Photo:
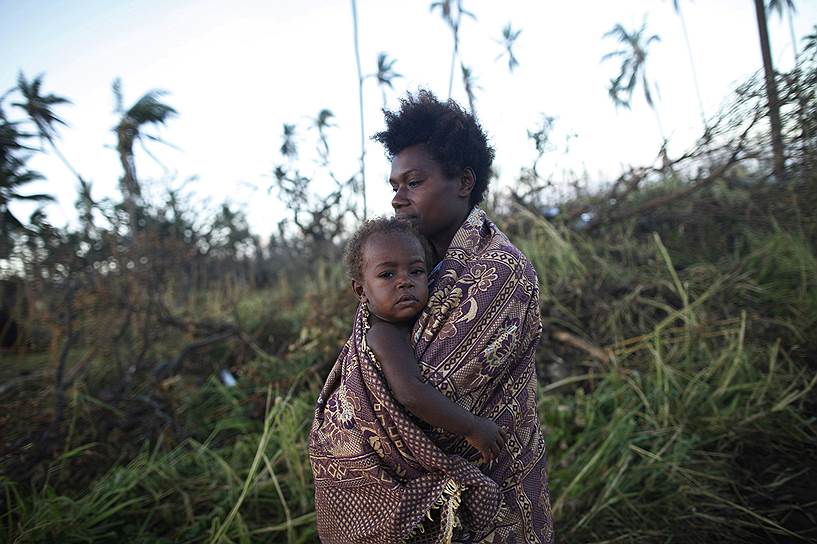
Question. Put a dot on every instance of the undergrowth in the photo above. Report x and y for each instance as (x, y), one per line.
(701, 427)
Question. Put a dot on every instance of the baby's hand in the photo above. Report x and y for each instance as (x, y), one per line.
(487, 438)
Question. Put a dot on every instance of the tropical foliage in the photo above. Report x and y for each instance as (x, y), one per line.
(161, 362)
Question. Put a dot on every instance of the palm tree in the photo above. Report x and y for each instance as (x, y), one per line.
(452, 13)
(633, 68)
(289, 147)
(469, 81)
(13, 175)
(148, 110)
(509, 37)
(771, 92)
(360, 79)
(322, 122)
(385, 74)
(788, 6)
(811, 41)
(676, 5)
(39, 109)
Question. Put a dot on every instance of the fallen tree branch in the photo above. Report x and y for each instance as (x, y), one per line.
(169, 369)
(601, 355)
(689, 189)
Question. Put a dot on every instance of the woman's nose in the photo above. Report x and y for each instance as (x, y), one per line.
(399, 199)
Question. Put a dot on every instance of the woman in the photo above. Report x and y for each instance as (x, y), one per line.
(383, 476)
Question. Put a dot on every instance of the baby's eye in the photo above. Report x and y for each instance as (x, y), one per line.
(385, 275)
(418, 271)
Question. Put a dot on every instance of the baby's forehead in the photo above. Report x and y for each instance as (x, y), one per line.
(395, 243)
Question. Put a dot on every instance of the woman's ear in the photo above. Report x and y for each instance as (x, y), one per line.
(467, 181)
(357, 287)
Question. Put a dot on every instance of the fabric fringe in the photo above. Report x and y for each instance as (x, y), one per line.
(449, 503)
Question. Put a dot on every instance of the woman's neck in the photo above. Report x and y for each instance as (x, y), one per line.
(442, 240)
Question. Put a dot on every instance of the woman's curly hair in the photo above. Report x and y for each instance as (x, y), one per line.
(353, 256)
(453, 137)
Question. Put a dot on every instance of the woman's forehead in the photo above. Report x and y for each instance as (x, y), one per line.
(415, 157)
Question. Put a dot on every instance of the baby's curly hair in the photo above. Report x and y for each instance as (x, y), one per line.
(353, 257)
(453, 137)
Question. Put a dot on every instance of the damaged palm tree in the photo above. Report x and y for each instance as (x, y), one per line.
(633, 70)
(148, 110)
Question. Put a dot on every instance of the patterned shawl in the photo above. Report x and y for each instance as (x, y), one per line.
(383, 476)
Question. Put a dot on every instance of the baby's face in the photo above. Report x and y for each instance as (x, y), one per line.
(394, 276)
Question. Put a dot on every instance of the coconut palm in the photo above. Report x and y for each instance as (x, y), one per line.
(810, 42)
(469, 81)
(385, 74)
(289, 147)
(13, 175)
(676, 5)
(148, 110)
(787, 6)
(452, 12)
(771, 91)
(633, 70)
(360, 79)
(509, 37)
(39, 108)
(322, 122)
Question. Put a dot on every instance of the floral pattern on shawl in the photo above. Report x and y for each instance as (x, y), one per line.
(383, 476)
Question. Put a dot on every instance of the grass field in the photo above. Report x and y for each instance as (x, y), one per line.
(701, 426)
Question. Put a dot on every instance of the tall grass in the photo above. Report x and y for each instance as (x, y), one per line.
(702, 428)
(252, 487)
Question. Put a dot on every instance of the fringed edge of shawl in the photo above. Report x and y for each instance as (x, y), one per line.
(449, 502)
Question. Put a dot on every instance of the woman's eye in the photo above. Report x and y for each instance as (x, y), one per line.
(414, 183)
(394, 188)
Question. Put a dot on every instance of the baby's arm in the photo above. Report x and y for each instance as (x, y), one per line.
(390, 345)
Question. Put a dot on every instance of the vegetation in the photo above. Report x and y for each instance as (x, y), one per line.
(163, 363)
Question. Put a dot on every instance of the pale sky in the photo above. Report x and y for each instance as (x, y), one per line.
(236, 71)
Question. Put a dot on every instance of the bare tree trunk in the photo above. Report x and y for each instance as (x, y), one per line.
(692, 65)
(63, 159)
(469, 90)
(771, 92)
(455, 30)
(360, 104)
(130, 185)
(71, 337)
(793, 37)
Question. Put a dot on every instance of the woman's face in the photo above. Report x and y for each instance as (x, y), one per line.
(423, 194)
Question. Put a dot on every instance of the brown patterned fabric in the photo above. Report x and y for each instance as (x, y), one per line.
(383, 476)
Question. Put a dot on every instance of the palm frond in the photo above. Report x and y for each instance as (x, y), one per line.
(149, 109)
(37, 197)
(324, 119)
(781, 6)
(509, 37)
(385, 70)
(633, 64)
(38, 106)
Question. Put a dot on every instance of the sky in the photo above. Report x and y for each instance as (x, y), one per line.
(237, 71)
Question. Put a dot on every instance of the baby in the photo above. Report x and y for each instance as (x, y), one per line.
(388, 261)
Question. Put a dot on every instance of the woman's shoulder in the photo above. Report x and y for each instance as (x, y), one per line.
(500, 244)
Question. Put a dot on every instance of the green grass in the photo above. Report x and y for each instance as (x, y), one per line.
(254, 487)
(701, 429)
